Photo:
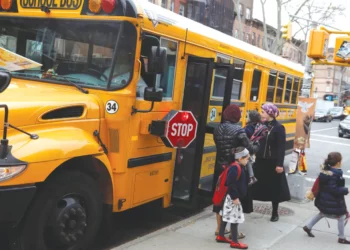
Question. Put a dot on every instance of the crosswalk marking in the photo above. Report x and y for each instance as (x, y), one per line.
(332, 137)
(337, 143)
(313, 131)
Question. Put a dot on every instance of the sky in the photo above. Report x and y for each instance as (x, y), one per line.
(341, 22)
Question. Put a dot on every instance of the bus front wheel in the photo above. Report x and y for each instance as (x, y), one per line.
(66, 214)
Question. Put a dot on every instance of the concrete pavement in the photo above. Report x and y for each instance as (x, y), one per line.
(198, 232)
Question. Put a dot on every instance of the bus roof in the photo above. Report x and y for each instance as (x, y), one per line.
(160, 15)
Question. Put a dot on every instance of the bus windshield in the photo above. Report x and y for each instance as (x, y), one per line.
(72, 50)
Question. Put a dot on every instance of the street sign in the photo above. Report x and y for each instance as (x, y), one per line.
(181, 129)
(342, 49)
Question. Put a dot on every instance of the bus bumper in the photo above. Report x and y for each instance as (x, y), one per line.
(14, 202)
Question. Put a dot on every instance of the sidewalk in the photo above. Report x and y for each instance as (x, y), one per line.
(197, 232)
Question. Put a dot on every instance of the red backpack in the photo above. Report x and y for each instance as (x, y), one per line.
(221, 188)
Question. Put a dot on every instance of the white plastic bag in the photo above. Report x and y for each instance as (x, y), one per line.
(232, 213)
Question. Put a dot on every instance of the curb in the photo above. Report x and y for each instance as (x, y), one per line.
(206, 213)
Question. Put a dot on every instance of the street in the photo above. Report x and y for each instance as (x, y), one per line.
(324, 139)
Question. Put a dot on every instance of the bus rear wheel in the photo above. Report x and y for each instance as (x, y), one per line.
(66, 214)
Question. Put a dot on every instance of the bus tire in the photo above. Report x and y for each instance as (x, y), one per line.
(66, 214)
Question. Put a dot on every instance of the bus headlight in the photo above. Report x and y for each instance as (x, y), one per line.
(11, 171)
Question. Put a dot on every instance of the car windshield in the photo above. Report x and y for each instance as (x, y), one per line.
(347, 119)
(71, 51)
(321, 111)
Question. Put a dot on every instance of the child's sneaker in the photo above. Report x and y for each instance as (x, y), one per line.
(252, 181)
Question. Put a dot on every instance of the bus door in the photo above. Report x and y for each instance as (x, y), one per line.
(222, 88)
(254, 89)
(189, 161)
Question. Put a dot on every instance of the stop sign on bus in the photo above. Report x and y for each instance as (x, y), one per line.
(179, 129)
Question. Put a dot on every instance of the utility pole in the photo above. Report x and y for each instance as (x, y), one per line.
(343, 70)
(306, 87)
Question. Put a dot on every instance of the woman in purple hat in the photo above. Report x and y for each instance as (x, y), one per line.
(268, 168)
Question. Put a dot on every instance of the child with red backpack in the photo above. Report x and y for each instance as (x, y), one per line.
(255, 131)
(231, 187)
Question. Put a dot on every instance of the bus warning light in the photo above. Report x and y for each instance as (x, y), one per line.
(6, 4)
(95, 6)
(108, 6)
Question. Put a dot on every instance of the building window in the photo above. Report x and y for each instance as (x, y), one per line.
(247, 38)
(329, 72)
(241, 9)
(182, 9)
(253, 39)
(189, 10)
(258, 42)
(248, 14)
(164, 4)
(172, 8)
(236, 33)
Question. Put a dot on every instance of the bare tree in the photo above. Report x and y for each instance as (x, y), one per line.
(319, 12)
(314, 10)
(265, 45)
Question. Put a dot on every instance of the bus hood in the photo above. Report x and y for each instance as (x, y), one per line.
(31, 103)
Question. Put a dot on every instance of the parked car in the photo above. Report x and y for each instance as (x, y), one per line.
(344, 127)
(323, 115)
(337, 112)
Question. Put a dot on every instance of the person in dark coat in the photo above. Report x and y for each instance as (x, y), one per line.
(330, 198)
(228, 136)
(268, 168)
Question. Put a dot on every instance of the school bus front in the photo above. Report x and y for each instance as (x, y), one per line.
(78, 139)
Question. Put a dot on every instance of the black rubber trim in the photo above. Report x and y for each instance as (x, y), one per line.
(14, 203)
(147, 160)
(220, 103)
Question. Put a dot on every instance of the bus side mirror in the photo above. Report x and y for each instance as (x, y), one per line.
(5, 79)
(153, 94)
(157, 60)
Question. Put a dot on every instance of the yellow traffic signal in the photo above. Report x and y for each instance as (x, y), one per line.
(318, 44)
(287, 31)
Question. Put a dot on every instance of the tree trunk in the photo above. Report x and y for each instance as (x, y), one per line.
(265, 46)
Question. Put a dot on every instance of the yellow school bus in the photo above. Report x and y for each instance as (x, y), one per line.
(76, 141)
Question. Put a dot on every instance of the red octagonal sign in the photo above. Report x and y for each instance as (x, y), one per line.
(181, 129)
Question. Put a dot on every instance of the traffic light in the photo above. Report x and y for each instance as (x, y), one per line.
(287, 31)
(318, 44)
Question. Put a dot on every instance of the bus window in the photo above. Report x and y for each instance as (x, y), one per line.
(300, 85)
(288, 89)
(295, 90)
(280, 87)
(166, 82)
(254, 92)
(237, 79)
(220, 78)
(271, 86)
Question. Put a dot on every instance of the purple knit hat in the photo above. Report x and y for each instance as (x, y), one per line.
(271, 109)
